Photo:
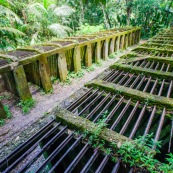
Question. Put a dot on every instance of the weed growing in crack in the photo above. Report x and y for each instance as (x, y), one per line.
(27, 105)
(7, 110)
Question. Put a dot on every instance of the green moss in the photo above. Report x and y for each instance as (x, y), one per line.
(135, 95)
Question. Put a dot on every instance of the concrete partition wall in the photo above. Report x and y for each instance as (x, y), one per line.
(37, 64)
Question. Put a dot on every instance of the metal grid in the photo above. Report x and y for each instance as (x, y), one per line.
(153, 52)
(65, 153)
(22, 53)
(141, 83)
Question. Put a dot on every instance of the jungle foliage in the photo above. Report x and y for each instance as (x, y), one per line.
(26, 22)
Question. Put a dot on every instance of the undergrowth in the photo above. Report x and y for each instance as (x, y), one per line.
(138, 153)
(27, 105)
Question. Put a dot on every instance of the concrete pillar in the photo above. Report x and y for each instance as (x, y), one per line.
(112, 46)
(77, 59)
(21, 83)
(10, 82)
(62, 66)
(44, 74)
(98, 51)
(117, 46)
(88, 56)
(106, 49)
(3, 114)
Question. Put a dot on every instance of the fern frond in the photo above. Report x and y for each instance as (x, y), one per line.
(12, 30)
(5, 10)
(63, 11)
(37, 10)
(59, 30)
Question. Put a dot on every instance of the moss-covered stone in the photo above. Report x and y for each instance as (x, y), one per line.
(83, 125)
(2, 112)
(135, 95)
(144, 71)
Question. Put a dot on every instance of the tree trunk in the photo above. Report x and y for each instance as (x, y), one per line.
(105, 16)
(128, 10)
(81, 18)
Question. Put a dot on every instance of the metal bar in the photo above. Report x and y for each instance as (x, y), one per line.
(65, 154)
(118, 76)
(129, 80)
(116, 167)
(139, 85)
(88, 98)
(161, 88)
(104, 109)
(90, 162)
(135, 81)
(114, 109)
(8, 159)
(55, 152)
(142, 63)
(108, 75)
(77, 159)
(157, 136)
(122, 80)
(146, 86)
(169, 90)
(162, 67)
(167, 69)
(154, 86)
(121, 115)
(129, 118)
(70, 107)
(157, 66)
(102, 165)
(151, 65)
(148, 63)
(98, 106)
(90, 104)
(137, 123)
(48, 144)
(150, 121)
(171, 136)
(112, 77)
(26, 153)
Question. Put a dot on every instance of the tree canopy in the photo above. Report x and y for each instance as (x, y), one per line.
(32, 21)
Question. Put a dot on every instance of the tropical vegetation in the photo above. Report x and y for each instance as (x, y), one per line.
(27, 22)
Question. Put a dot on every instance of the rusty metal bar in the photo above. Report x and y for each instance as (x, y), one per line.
(98, 106)
(146, 86)
(171, 137)
(121, 115)
(73, 110)
(157, 136)
(77, 159)
(55, 152)
(105, 108)
(161, 88)
(142, 80)
(123, 129)
(8, 160)
(154, 86)
(65, 154)
(71, 107)
(102, 165)
(137, 122)
(169, 90)
(150, 121)
(90, 104)
(122, 80)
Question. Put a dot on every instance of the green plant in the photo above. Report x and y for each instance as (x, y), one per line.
(89, 69)
(2, 122)
(27, 105)
(7, 110)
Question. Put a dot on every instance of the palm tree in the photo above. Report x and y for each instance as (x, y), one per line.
(49, 20)
(9, 35)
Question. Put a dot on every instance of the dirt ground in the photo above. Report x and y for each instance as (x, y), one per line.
(44, 102)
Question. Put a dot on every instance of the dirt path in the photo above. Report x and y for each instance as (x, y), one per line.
(20, 122)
